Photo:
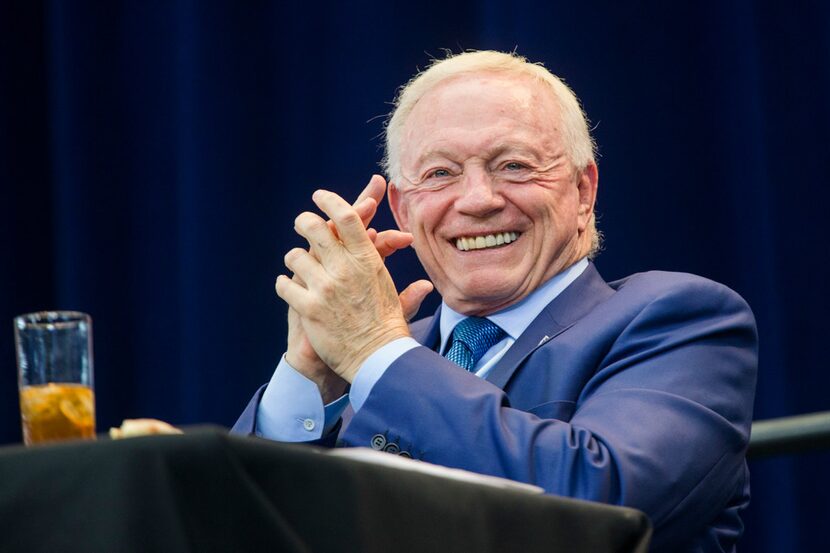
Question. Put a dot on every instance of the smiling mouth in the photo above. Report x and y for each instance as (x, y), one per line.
(467, 243)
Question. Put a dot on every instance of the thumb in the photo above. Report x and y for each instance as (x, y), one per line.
(412, 297)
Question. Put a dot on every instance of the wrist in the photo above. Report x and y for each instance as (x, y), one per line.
(305, 366)
(350, 366)
(331, 387)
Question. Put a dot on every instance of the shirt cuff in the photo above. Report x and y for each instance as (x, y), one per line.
(375, 367)
(291, 409)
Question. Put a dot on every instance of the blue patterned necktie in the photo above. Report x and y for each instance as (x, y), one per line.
(471, 339)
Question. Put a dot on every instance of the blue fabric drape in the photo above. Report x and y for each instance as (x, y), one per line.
(153, 156)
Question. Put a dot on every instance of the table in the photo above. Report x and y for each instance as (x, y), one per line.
(210, 491)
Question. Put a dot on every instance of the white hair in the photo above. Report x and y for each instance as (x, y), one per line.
(580, 146)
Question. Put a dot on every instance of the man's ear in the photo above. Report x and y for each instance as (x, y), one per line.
(587, 187)
(399, 207)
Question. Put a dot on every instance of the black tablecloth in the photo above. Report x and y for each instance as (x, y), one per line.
(208, 491)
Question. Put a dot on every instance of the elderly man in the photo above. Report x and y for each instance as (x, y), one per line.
(637, 392)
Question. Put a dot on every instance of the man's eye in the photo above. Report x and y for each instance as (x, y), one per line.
(439, 173)
(514, 166)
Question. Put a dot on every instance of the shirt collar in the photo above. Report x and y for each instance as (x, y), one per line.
(516, 318)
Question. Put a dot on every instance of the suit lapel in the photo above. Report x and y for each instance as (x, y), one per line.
(572, 304)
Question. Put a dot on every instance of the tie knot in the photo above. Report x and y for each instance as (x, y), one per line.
(476, 335)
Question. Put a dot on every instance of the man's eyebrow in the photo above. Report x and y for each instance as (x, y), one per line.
(505, 147)
(490, 152)
(433, 153)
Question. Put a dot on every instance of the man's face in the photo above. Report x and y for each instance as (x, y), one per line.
(483, 160)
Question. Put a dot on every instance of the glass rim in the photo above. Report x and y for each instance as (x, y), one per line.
(54, 318)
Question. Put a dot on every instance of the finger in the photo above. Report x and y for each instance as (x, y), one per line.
(372, 234)
(294, 295)
(349, 226)
(366, 204)
(366, 210)
(294, 278)
(412, 297)
(305, 267)
(390, 241)
(313, 228)
(375, 189)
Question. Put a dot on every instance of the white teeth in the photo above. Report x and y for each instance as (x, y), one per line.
(468, 243)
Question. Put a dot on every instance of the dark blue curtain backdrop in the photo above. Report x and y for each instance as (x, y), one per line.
(153, 156)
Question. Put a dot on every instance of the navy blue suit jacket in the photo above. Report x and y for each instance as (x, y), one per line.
(638, 393)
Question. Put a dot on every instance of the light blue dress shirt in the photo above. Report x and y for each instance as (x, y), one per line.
(291, 409)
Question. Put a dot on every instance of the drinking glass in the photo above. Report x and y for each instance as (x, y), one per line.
(55, 377)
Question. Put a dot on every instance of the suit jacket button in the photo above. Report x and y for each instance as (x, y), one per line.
(406, 454)
(378, 442)
(391, 447)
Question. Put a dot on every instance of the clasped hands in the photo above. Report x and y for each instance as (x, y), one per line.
(343, 304)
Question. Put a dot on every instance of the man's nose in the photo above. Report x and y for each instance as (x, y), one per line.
(478, 195)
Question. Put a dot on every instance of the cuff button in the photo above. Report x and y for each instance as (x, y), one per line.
(378, 442)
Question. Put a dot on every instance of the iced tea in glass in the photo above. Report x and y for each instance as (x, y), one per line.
(54, 359)
(53, 412)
